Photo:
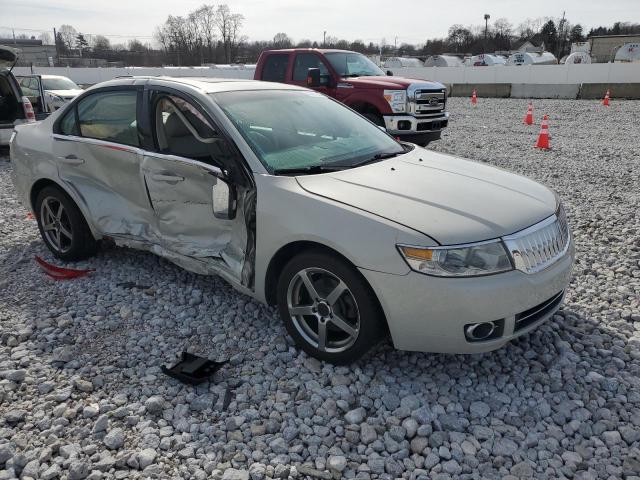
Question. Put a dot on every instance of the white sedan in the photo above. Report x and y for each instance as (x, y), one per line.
(300, 202)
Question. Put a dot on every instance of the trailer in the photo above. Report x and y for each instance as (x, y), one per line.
(577, 58)
(485, 60)
(443, 61)
(629, 52)
(532, 58)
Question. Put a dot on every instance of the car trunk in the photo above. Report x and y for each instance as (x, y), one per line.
(10, 104)
(10, 101)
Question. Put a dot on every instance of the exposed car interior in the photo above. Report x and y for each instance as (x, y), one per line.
(183, 131)
(9, 103)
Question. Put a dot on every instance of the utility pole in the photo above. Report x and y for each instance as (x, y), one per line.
(486, 30)
(562, 36)
(324, 39)
(55, 42)
(13, 32)
(395, 43)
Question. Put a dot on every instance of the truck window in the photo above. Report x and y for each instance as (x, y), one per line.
(305, 61)
(275, 68)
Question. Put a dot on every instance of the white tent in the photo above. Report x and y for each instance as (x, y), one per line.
(485, 60)
(399, 62)
(577, 58)
(443, 61)
(532, 58)
(629, 52)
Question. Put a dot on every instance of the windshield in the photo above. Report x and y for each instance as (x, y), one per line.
(348, 64)
(59, 84)
(289, 129)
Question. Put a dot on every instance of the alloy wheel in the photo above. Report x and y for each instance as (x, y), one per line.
(323, 310)
(56, 224)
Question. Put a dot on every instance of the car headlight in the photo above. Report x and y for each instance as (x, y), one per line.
(397, 100)
(472, 260)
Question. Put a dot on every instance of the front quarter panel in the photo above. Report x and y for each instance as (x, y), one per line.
(286, 213)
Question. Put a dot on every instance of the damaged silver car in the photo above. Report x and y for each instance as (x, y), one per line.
(302, 203)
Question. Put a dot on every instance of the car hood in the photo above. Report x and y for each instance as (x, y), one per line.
(8, 57)
(450, 199)
(390, 83)
(65, 93)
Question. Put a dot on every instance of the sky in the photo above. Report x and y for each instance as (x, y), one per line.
(410, 21)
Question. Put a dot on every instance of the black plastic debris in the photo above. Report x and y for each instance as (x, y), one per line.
(132, 285)
(192, 369)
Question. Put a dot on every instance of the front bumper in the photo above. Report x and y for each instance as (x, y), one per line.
(428, 314)
(400, 125)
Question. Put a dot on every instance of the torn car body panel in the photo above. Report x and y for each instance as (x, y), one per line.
(181, 193)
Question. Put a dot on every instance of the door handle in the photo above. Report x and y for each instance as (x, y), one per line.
(166, 178)
(71, 160)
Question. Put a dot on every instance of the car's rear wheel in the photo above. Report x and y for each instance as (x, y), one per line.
(62, 225)
(328, 308)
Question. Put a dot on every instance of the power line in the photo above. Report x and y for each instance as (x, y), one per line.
(115, 35)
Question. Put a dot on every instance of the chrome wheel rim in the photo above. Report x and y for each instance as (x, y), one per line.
(323, 310)
(56, 224)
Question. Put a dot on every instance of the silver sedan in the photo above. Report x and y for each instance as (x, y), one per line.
(300, 202)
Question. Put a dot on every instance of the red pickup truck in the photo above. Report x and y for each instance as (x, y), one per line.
(413, 110)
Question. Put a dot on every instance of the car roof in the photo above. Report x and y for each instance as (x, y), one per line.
(54, 76)
(205, 84)
(321, 50)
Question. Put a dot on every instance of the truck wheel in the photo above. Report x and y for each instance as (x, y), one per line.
(375, 118)
(328, 308)
(62, 226)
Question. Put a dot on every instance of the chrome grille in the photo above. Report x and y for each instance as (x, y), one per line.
(423, 101)
(541, 245)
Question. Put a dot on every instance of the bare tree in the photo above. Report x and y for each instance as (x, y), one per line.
(205, 19)
(68, 35)
(101, 43)
(229, 25)
(282, 40)
(46, 38)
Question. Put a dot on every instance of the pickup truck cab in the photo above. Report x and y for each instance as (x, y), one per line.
(413, 110)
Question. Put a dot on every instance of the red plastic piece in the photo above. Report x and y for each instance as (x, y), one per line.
(60, 273)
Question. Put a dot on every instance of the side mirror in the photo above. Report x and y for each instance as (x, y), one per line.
(384, 129)
(224, 200)
(313, 77)
(389, 73)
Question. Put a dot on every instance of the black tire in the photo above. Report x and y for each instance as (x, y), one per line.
(325, 268)
(80, 244)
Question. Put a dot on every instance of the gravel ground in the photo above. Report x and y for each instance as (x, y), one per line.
(82, 394)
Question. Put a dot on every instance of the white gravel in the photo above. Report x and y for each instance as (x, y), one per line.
(82, 394)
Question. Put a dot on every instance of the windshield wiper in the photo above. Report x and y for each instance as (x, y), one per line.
(379, 156)
(309, 170)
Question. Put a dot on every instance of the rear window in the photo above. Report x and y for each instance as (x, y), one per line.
(275, 68)
(68, 124)
(110, 116)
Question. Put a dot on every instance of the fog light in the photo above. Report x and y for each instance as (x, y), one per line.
(404, 125)
(478, 332)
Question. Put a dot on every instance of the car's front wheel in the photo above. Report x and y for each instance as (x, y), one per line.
(328, 308)
(62, 225)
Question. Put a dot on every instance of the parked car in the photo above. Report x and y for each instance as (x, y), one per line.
(351, 233)
(413, 110)
(14, 107)
(54, 90)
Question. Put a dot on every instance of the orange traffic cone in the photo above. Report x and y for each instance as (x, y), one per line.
(543, 138)
(528, 118)
(474, 98)
(605, 102)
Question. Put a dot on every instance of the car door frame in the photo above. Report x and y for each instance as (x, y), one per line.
(241, 176)
(43, 111)
(330, 89)
(77, 137)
